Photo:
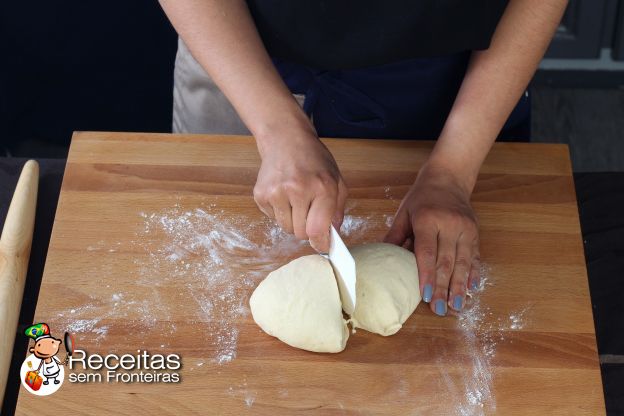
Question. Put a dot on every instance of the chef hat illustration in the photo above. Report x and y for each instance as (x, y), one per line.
(38, 331)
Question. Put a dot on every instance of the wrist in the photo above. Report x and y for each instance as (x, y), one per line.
(462, 175)
(281, 128)
(459, 153)
(463, 146)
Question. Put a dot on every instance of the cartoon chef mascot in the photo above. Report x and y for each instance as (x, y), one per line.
(45, 348)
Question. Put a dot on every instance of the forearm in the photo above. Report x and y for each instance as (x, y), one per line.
(493, 84)
(223, 38)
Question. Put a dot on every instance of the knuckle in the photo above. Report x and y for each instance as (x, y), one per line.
(273, 193)
(466, 223)
(325, 188)
(476, 251)
(475, 264)
(456, 219)
(472, 227)
(258, 194)
(476, 257)
(293, 186)
(320, 191)
(426, 254)
(426, 215)
(476, 261)
(445, 265)
(462, 263)
(327, 178)
(458, 281)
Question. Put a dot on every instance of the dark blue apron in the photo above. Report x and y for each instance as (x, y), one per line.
(404, 100)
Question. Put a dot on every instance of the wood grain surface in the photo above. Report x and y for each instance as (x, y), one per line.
(525, 345)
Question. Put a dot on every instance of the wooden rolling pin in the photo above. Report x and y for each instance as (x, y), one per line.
(15, 243)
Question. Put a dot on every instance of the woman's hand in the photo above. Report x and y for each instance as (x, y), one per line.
(300, 186)
(299, 183)
(436, 214)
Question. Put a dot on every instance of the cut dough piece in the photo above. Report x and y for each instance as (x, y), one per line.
(387, 287)
(299, 303)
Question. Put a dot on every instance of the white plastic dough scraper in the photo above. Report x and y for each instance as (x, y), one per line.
(344, 268)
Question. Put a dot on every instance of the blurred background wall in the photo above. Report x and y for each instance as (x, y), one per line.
(76, 65)
(82, 65)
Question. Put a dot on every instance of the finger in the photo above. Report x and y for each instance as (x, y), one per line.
(263, 205)
(400, 230)
(340, 204)
(299, 214)
(318, 221)
(447, 246)
(474, 280)
(425, 248)
(461, 271)
(283, 215)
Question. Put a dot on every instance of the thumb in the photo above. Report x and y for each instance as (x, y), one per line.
(400, 229)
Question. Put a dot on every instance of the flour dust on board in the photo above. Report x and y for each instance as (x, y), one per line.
(212, 261)
(212, 258)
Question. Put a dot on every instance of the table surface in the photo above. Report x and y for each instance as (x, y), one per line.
(157, 245)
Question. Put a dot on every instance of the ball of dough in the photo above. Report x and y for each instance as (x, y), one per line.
(299, 303)
(387, 290)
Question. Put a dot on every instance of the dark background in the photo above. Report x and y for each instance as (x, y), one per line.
(76, 65)
(82, 65)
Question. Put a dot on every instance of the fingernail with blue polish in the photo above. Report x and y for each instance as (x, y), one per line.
(440, 307)
(475, 284)
(458, 303)
(428, 292)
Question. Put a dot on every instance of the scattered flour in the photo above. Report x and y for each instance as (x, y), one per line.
(83, 325)
(481, 332)
(212, 259)
(517, 320)
(351, 225)
(388, 192)
(243, 391)
(250, 399)
(215, 264)
(388, 220)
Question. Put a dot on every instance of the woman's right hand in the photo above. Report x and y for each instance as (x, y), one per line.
(300, 186)
(299, 183)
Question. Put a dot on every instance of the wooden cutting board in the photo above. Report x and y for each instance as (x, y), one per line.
(157, 245)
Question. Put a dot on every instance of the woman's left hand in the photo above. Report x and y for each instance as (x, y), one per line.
(437, 215)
